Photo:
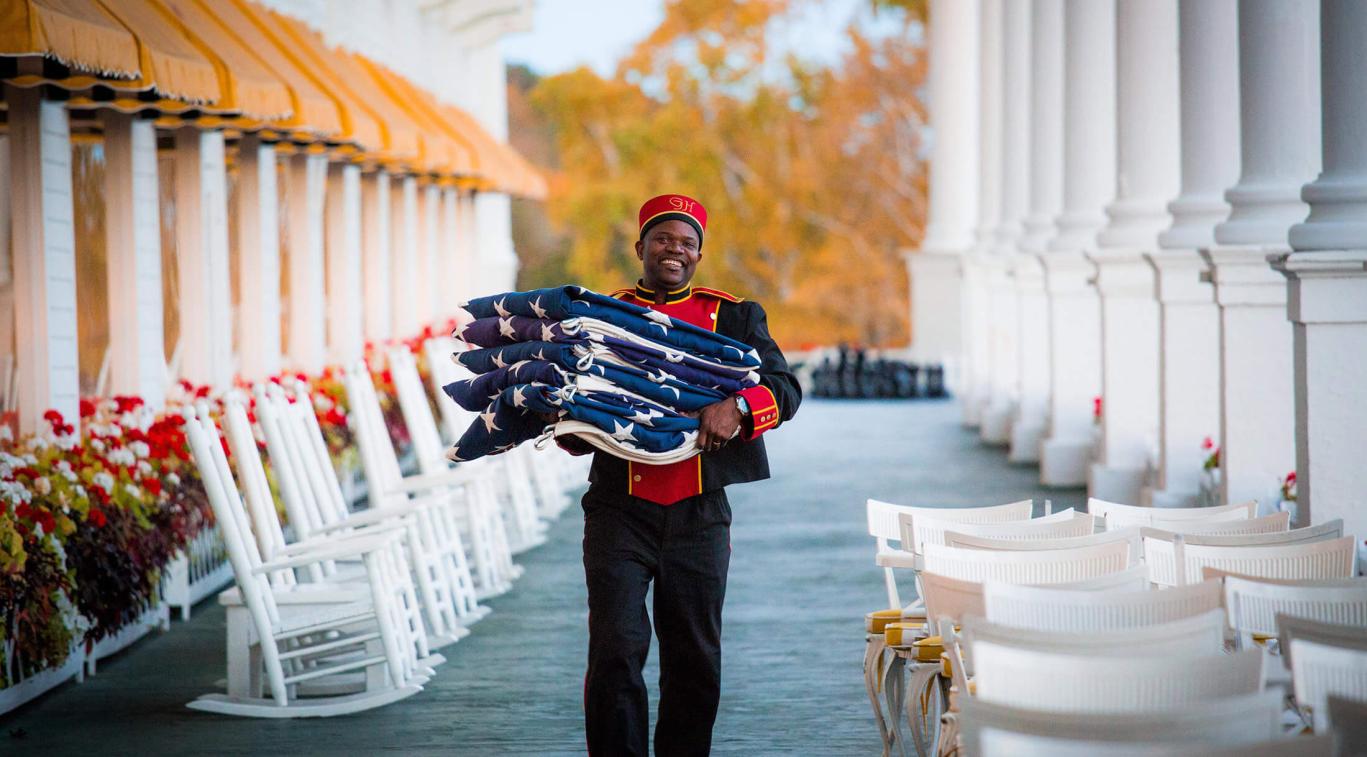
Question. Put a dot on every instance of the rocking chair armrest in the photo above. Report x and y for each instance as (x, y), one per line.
(322, 539)
(427, 481)
(897, 558)
(366, 518)
(337, 550)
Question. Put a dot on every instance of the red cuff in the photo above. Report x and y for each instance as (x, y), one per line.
(763, 409)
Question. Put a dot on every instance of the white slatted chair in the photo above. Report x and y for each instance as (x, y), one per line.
(1044, 608)
(1249, 718)
(885, 527)
(1130, 536)
(1332, 634)
(1349, 721)
(432, 541)
(1330, 558)
(921, 529)
(1161, 546)
(1253, 605)
(525, 529)
(1276, 523)
(1067, 683)
(1027, 567)
(465, 489)
(954, 599)
(1319, 671)
(998, 743)
(1117, 515)
(302, 647)
(1198, 635)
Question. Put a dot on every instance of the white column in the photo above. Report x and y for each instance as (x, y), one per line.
(449, 259)
(1279, 106)
(934, 269)
(258, 243)
(494, 234)
(1089, 184)
(346, 340)
(974, 297)
(1046, 200)
(403, 281)
(1003, 364)
(375, 210)
(206, 338)
(1148, 175)
(306, 185)
(137, 346)
(6, 260)
(467, 237)
(44, 258)
(430, 291)
(1189, 321)
(1328, 288)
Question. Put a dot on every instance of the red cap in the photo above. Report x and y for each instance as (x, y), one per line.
(673, 208)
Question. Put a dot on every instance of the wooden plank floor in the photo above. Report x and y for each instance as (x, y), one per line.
(801, 578)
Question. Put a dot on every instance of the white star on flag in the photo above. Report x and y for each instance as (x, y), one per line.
(498, 308)
(547, 335)
(505, 328)
(517, 367)
(503, 448)
(622, 433)
(673, 389)
(488, 418)
(453, 454)
(498, 361)
(519, 400)
(660, 318)
(639, 417)
(459, 333)
(536, 308)
(539, 354)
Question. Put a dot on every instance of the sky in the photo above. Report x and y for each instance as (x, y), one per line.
(570, 33)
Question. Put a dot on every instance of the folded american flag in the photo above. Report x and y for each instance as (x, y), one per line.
(624, 378)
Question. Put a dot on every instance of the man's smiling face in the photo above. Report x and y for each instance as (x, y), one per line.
(669, 254)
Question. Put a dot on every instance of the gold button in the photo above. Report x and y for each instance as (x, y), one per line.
(637, 479)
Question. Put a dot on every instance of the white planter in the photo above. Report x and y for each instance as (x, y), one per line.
(198, 572)
(156, 617)
(43, 681)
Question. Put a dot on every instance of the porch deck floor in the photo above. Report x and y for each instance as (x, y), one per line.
(802, 576)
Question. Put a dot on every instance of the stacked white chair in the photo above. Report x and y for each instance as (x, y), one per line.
(884, 523)
(1047, 609)
(1245, 719)
(998, 743)
(1202, 634)
(1045, 566)
(1320, 671)
(494, 570)
(370, 633)
(1290, 628)
(1068, 683)
(1174, 561)
(922, 530)
(1116, 515)
(1132, 537)
(1253, 605)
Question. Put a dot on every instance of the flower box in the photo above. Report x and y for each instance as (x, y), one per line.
(157, 617)
(20, 692)
(198, 572)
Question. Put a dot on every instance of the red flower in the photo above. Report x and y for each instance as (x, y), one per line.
(97, 517)
(1291, 477)
(152, 484)
(1096, 407)
(53, 417)
(87, 408)
(202, 392)
(100, 494)
(1207, 443)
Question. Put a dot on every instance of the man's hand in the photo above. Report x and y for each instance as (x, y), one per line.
(717, 423)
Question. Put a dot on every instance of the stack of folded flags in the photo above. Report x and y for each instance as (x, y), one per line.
(619, 376)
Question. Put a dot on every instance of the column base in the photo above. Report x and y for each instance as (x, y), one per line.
(1064, 462)
(995, 426)
(1122, 485)
(1027, 435)
(1170, 498)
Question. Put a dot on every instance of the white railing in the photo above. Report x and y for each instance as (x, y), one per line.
(198, 572)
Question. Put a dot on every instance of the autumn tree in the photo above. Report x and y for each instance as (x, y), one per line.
(813, 177)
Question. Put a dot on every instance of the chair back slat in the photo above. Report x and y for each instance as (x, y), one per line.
(1319, 671)
(1195, 635)
(1064, 524)
(417, 412)
(1117, 515)
(884, 524)
(1027, 567)
(1048, 609)
(270, 537)
(1254, 605)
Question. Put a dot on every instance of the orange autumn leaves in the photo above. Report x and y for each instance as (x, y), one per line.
(813, 177)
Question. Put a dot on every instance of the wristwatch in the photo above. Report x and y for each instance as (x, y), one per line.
(742, 405)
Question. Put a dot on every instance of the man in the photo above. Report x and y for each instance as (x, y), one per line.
(671, 523)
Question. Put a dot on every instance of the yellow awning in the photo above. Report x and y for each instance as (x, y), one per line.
(248, 85)
(508, 171)
(169, 62)
(315, 111)
(77, 33)
(443, 151)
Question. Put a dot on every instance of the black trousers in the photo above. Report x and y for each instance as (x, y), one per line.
(685, 548)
